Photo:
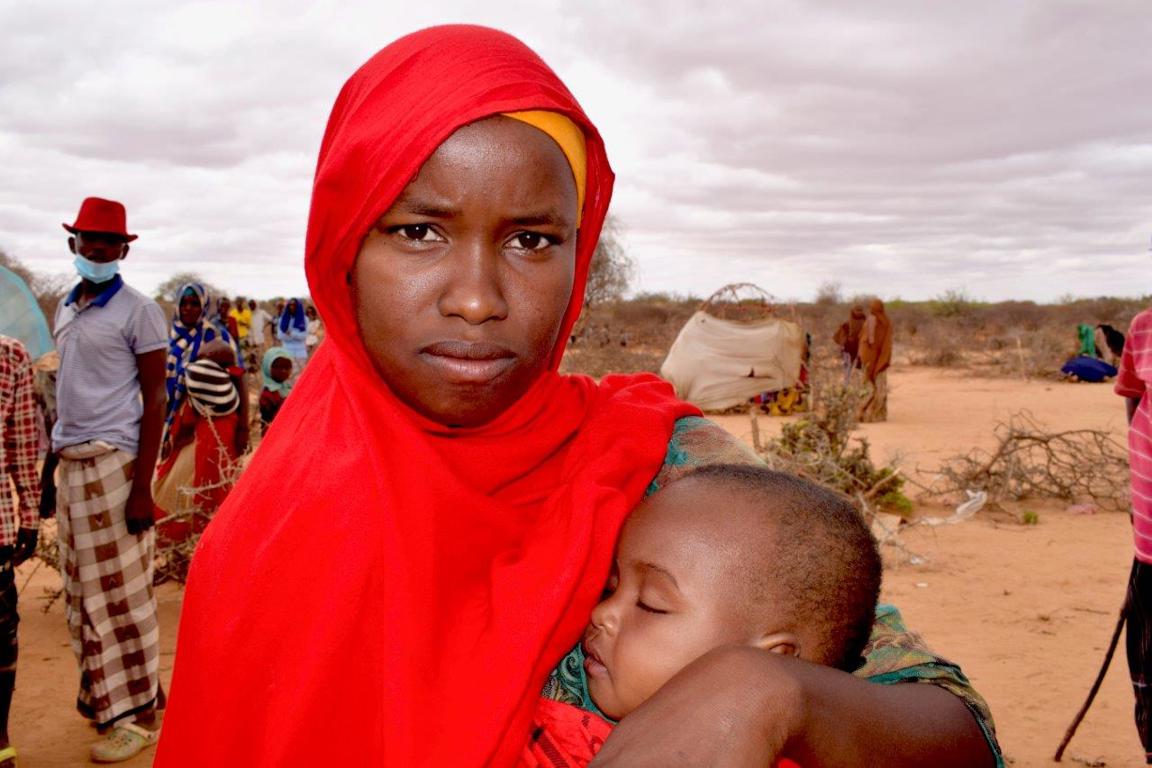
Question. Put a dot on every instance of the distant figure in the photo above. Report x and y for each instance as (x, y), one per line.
(1087, 338)
(241, 315)
(292, 332)
(315, 330)
(277, 366)
(875, 357)
(1132, 384)
(19, 515)
(110, 399)
(259, 322)
(847, 337)
(207, 436)
(191, 329)
(1113, 341)
(224, 320)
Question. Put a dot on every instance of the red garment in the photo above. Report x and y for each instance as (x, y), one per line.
(373, 577)
(214, 444)
(564, 736)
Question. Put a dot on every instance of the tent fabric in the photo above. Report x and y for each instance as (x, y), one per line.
(20, 315)
(717, 363)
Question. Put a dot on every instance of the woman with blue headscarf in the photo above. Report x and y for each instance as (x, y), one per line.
(190, 331)
(292, 331)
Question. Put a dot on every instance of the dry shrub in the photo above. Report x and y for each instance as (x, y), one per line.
(1031, 461)
(820, 448)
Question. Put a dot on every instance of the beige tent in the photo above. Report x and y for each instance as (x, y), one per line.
(719, 363)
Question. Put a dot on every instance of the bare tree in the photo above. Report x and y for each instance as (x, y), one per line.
(166, 291)
(612, 268)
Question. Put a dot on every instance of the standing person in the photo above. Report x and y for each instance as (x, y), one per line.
(242, 317)
(847, 337)
(19, 521)
(315, 330)
(433, 519)
(191, 330)
(203, 444)
(292, 332)
(258, 325)
(875, 357)
(110, 414)
(1132, 383)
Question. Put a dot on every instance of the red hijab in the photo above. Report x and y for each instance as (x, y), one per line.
(380, 589)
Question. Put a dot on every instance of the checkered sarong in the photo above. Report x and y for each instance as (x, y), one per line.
(110, 605)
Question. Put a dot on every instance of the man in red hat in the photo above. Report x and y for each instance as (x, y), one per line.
(110, 394)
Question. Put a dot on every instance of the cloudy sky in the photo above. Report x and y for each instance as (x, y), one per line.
(900, 148)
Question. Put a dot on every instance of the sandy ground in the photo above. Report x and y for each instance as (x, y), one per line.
(1027, 610)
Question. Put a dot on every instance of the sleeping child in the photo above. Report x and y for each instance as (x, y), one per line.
(727, 555)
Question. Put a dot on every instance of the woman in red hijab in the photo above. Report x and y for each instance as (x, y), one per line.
(419, 541)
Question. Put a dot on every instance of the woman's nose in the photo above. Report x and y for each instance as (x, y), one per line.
(473, 287)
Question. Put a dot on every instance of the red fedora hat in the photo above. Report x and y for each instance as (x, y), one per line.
(100, 215)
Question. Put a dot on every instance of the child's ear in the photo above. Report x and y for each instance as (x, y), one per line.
(784, 643)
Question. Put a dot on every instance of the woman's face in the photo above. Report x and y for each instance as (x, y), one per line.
(190, 309)
(462, 285)
(292, 307)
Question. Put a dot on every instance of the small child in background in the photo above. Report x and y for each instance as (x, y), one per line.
(277, 365)
(727, 555)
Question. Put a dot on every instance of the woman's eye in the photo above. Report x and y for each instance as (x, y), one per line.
(422, 233)
(649, 609)
(531, 241)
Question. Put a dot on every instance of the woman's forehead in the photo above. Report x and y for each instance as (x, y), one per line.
(494, 151)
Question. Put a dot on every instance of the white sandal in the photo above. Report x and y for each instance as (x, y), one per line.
(123, 742)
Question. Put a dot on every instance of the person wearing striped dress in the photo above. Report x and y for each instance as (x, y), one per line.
(1132, 384)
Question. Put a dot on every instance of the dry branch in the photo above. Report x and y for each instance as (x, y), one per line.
(1031, 462)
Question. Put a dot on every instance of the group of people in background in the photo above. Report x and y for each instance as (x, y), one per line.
(865, 342)
(152, 418)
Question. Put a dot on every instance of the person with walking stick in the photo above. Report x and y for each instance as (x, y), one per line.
(1132, 384)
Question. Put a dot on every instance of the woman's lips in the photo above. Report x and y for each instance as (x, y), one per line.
(468, 362)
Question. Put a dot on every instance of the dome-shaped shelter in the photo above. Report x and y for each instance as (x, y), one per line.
(733, 348)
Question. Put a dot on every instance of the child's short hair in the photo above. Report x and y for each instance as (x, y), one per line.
(824, 567)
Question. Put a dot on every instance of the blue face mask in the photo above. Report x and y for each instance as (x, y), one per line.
(94, 271)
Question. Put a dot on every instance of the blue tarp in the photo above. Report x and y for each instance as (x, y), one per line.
(20, 315)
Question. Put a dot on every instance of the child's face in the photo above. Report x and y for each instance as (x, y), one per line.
(462, 286)
(676, 592)
(280, 369)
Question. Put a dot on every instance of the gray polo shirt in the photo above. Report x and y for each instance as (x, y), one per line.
(97, 389)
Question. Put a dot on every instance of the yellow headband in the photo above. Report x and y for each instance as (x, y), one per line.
(571, 141)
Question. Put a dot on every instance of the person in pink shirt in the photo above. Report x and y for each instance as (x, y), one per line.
(1132, 384)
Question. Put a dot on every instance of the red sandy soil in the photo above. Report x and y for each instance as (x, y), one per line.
(1027, 610)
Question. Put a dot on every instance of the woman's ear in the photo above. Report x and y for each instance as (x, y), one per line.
(784, 643)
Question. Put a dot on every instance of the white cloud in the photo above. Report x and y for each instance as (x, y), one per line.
(897, 147)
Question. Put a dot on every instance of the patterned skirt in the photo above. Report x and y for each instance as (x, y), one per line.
(110, 605)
